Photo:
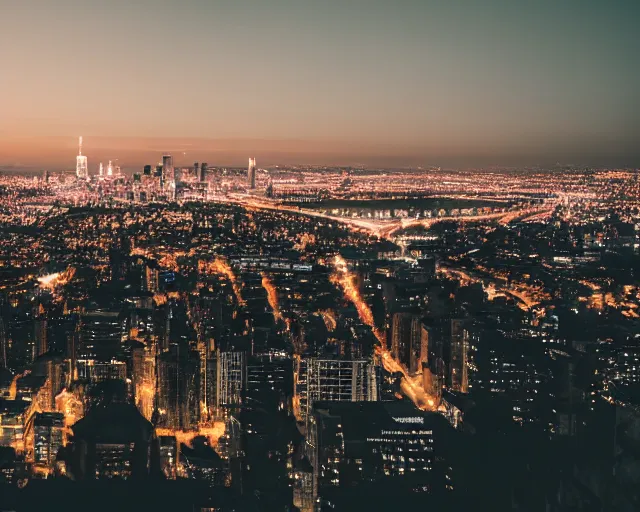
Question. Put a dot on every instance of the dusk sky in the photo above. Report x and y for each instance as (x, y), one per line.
(404, 82)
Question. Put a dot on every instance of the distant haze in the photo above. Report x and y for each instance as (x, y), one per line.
(340, 82)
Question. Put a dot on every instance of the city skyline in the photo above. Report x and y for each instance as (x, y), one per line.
(319, 256)
(409, 84)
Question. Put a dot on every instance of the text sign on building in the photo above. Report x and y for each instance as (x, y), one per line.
(409, 419)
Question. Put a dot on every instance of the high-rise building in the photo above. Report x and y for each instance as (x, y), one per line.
(350, 444)
(167, 168)
(269, 380)
(425, 334)
(268, 192)
(99, 353)
(47, 436)
(101, 170)
(168, 456)
(151, 279)
(147, 170)
(110, 169)
(406, 340)
(111, 441)
(231, 377)
(13, 419)
(100, 335)
(251, 173)
(458, 370)
(4, 344)
(143, 377)
(342, 380)
(55, 368)
(40, 327)
(40, 341)
(81, 163)
(203, 171)
(179, 388)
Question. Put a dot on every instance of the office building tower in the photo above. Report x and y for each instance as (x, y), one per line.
(101, 170)
(101, 335)
(515, 370)
(201, 462)
(203, 171)
(342, 380)
(55, 368)
(269, 380)
(151, 279)
(425, 335)
(100, 348)
(458, 371)
(349, 444)
(231, 377)
(209, 376)
(406, 344)
(48, 434)
(302, 484)
(168, 456)
(147, 170)
(167, 168)
(143, 377)
(110, 169)
(268, 192)
(251, 173)
(4, 344)
(178, 395)
(81, 163)
(14, 414)
(41, 346)
(111, 441)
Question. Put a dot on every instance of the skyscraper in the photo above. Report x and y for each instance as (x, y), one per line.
(179, 388)
(349, 444)
(100, 349)
(40, 327)
(406, 343)
(459, 353)
(203, 171)
(81, 163)
(4, 344)
(333, 379)
(167, 168)
(231, 377)
(251, 173)
(48, 436)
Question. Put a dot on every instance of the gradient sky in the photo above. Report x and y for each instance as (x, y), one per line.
(378, 82)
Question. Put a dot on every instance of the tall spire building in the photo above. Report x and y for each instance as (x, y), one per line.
(251, 173)
(81, 163)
